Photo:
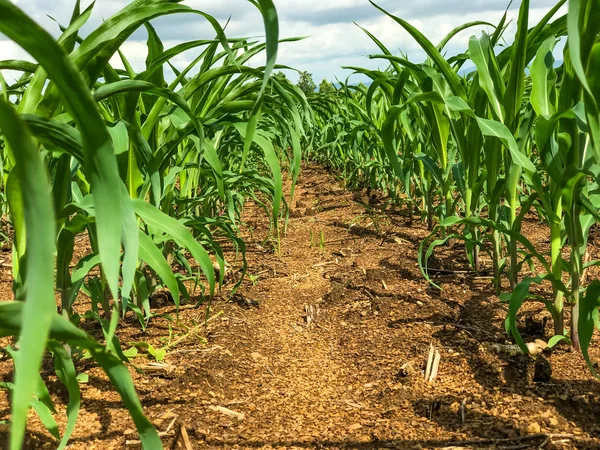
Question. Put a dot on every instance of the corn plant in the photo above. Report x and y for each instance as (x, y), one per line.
(148, 170)
(479, 150)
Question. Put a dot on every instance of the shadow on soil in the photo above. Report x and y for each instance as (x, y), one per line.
(510, 374)
(527, 442)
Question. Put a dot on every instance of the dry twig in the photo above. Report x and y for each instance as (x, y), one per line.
(186, 438)
(227, 412)
(433, 363)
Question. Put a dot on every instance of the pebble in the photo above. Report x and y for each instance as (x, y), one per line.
(534, 428)
(354, 427)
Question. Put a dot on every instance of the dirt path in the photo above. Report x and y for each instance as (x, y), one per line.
(260, 377)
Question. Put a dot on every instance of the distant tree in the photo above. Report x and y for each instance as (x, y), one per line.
(326, 87)
(306, 83)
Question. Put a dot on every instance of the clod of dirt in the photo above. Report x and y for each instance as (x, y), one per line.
(373, 200)
(244, 302)
(535, 327)
(542, 371)
(549, 419)
(161, 298)
(377, 275)
(337, 293)
(354, 229)
(310, 211)
(406, 371)
(534, 428)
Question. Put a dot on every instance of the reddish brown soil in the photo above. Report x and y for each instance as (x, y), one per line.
(339, 382)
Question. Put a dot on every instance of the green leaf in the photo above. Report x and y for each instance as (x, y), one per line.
(585, 326)
(175, 229)
(83, 378)
(131, 352)
(484, 59)
(151, 254)
(65, 370)
(449, 74)
(499, 130)
(39, 303)
(46, 417)
(273, 162)
(518, 296)
(516, 72)
(157, 353)
(64, 331)
(100, 163)
(554, 340)
(542, 81)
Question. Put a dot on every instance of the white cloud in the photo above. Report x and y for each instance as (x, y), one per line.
(333, 39)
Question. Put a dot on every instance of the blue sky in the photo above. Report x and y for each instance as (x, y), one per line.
(333, 40)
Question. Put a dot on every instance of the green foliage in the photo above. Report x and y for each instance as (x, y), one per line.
(325, 87)
(306, 83)
(156, 172)
(477, 153)
(152, 171)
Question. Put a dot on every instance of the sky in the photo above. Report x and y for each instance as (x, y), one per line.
(332, 38)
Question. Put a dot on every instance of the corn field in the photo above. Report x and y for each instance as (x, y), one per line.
(475, 153)
(155, 170)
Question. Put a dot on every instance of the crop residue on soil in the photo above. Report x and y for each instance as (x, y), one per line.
(257, 375)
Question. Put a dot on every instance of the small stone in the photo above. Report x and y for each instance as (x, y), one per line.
(407, 370)
(256, 356)
(158, 422)
(534, 428)
(354, 427)
(128, 431)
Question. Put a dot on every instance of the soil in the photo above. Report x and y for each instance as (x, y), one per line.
(258, 375)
